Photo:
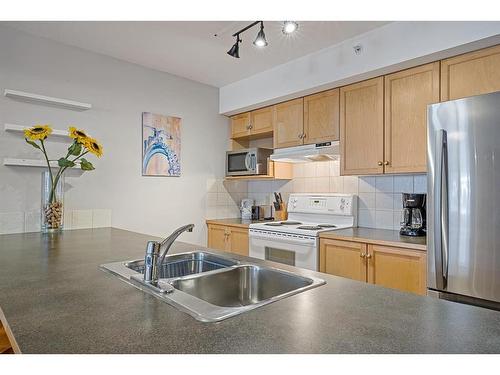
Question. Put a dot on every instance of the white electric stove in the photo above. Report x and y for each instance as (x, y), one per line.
(296, 240)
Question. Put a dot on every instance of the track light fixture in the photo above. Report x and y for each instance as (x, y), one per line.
(235, 49)
(260, 41)
(289, 27)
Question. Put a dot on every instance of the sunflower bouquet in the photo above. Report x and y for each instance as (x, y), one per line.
(83, 144)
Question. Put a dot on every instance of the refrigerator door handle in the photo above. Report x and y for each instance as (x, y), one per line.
(441, 211)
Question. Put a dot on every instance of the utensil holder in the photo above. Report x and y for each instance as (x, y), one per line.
(282, 213)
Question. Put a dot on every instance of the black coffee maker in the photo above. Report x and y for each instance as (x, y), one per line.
(413, 215)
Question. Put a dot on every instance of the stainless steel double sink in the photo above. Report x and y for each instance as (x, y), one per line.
(211, 287)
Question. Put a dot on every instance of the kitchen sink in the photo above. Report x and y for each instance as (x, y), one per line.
(184, 264)
(211, 287)
(242, 285)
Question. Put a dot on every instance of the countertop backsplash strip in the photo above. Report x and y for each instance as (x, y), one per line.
(379, 197)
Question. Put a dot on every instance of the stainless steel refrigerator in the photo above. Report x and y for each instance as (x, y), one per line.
(463, 207)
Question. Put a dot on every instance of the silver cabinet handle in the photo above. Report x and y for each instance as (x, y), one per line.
(441, 211)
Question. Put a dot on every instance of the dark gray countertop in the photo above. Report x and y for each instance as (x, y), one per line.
(57, 300)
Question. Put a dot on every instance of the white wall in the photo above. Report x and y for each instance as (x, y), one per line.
(119, 92)
(390, 48)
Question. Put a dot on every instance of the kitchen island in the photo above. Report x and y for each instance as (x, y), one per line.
(55, 299)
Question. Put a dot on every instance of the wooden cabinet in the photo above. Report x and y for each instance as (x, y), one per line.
(261, 121)
(5, 345)
(288, 123)
(391, 267)
(228, 238)
(217, 237)
(321, 117)
(471, 74)
(407, 94)
(255, 124)
(240, 125)
(397, 268)
(343, 258)
(362, 127)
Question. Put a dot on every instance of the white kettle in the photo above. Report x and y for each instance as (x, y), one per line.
(246, 208)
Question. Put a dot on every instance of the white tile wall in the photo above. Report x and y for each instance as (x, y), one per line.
(29, 221)
(223, 197)
(379, 197)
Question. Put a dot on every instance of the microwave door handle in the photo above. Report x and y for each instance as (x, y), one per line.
(441, 211)
(254, 162)
(248, 161)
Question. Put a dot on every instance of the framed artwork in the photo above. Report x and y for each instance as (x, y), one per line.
(161, 145)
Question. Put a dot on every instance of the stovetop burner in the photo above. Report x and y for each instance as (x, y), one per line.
(310, 227)
(279, 224)
(327, 226)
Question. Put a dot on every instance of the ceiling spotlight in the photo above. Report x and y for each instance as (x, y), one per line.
(289, 27)
(260, 41)
(235, 49)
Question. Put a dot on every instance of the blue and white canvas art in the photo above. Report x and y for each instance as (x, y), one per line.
(161, 145)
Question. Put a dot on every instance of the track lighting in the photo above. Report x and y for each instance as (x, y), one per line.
(235, 49)
(289, 27)
(260, 41)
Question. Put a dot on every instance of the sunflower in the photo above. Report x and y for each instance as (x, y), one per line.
(93, 146)
(38, 132)
(79, 135)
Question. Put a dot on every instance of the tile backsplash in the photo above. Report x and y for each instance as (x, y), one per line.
(379, 197)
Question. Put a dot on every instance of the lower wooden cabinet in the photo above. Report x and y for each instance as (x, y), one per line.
(391, 267)
(228, 238)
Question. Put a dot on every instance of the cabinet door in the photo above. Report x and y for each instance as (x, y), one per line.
(262, 121)
(5, 346)
(240, 125)
(288, 121)
(343, 258)
(321, 117)
(407, 95)
(239, 241)
(217, 237)
(397, 268)
(362, 128)
(471, 74)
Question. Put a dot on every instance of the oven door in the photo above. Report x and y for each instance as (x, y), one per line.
(298, 251)
(241, 162)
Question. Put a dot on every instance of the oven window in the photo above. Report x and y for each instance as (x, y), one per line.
(280, 256)
(236, 162)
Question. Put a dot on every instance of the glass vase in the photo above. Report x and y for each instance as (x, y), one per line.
(52, 208)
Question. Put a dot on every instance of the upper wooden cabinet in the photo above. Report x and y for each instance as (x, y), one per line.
(362, 127)
(407, 94)
(253, 124)
(321, 117)
(471, 74)
(288, 123)
(261, 121)
(240, 125)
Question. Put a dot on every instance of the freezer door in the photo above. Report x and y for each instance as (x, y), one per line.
(463, 212)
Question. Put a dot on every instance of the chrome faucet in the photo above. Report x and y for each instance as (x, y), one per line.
(153, 260)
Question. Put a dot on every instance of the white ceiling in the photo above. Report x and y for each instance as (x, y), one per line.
(190, 49)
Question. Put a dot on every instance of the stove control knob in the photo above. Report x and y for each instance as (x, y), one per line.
(342, 200)
(342, 206)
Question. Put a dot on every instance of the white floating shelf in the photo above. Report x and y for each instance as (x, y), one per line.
(32, 163)
(20, 129)
(42, 99)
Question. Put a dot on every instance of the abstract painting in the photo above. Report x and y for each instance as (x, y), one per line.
(161, 145)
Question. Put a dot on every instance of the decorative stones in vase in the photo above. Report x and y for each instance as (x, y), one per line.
(52, 207)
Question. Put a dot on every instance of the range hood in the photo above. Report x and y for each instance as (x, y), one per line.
(300, 154)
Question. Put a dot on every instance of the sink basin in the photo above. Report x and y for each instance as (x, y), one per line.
(241, 286)
(211, 287)
(179, 265)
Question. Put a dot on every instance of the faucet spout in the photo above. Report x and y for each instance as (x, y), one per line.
(167, 242)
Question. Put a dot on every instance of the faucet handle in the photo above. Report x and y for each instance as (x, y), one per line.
(150, 261)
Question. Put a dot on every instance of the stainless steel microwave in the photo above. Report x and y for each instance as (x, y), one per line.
(246, 162)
